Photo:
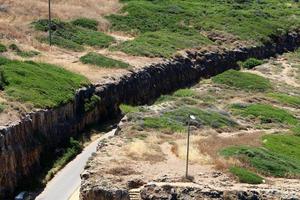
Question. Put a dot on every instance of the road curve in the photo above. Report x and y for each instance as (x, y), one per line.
(67, 180)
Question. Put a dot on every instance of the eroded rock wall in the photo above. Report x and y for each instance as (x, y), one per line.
(23, 142)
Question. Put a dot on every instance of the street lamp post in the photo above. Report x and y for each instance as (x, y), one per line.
(191, 117)
(49, 23)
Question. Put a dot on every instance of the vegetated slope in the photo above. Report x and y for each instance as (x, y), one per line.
(42, 85)
(163, 23)
(241, 134)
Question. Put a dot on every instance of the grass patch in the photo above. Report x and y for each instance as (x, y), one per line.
(251, 63)
(21, 53)
(128, 109)
(286, 99)
(279, 156)
(71, 152)
(86, 23)
(185, 93)
(176, 120)
(265, 113)
(2, 48)
(68, 35)
(245, 176)
(243, 80)
(102, 61)
(41, 84)
(165, 98)
(248, 20)
(162, 43)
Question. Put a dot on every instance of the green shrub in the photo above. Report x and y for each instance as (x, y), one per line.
(279, 156)
(41, 84)
(251, 63)
(246, 176)
(255, 21)
(176, 120)
(128, 109)
(266, 113)
(91, 103)
(162, 43)
(86, 23)
(2, 107)
(102, 61)
(286, 99)
(63, 43)
(24, 54)
(243, 80)
(185, 93)
(2, 48)
(65, 32)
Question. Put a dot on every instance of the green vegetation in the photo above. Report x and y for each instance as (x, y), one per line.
(68, 35)
(286, 99)
(279, 156)
(41, 84)
(71, 152)
(248, 20)
(176, 120)
(2, 48)
(86, 23)
(251, 63)
(102, 61)
(91, 103)
(266, 113)
(185, 93)
(161, 43)
(165, 98)
(24, 54)
(128, 109)
(243, 80)
(246, 176)
(2, 107)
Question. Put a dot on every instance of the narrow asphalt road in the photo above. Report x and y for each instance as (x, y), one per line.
(65, 182)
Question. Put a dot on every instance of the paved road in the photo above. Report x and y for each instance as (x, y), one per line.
(65, 182)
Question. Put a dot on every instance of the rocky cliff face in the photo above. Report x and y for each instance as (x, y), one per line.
(22, 143)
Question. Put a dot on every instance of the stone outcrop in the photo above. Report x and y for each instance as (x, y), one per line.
(23, 143)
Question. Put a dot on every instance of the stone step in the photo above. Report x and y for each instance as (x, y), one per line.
(134, 194)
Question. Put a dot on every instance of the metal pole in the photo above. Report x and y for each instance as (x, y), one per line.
(188, 150)
(50, 37)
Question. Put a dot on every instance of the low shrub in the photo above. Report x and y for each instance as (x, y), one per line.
(86, 23)
(128, 109)
(246, 176)
(286, 99)
(102, 61)
(243, 80)
(2, 48)
(251, 63)
(91, 103)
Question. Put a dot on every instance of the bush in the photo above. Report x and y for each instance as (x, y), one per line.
(266, 113)
(86, 23)
(246, 176)
(128, 109)
(45, 85)
(102, 61)
(91, 103)
(2, 48)
(2, 107)
(286, 99)
(65, 34)
(251, 63)
(24, 54)
(243, 80)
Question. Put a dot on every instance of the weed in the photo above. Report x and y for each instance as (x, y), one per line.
(102, 61)
(2, 107)
(245, 176)
(91, 103)
(24, 54)
(185, 93)
(243, 80)
(128, 109)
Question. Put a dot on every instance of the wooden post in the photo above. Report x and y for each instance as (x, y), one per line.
(188, 150)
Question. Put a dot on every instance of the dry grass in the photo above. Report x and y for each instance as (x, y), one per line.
(15, 20)
(212, 145)
(121, 171)
(147, 150)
